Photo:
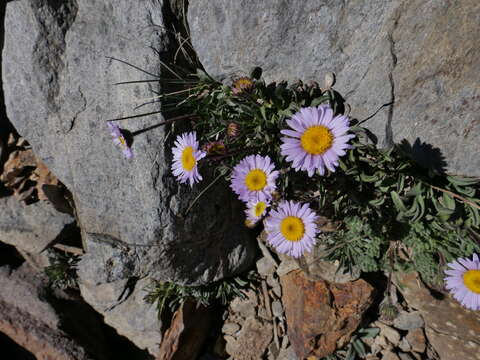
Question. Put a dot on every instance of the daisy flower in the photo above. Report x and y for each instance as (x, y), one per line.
(255, 211)
(119, 139)
(185, 158)
(463, 281)
(316, 139)
(291, 229)
(253, 178)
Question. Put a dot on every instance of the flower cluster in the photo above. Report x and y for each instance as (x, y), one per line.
(315, 141)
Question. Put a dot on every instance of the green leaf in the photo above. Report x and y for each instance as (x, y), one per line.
(359, 347)
(463, 181)
(397, 201)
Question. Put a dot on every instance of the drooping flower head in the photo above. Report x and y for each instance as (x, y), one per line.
(253, 178)
(463, 281)
(316, 139)
(215, 148)
(242, 85)
(291, 229)
(185, 158)
(119, 139)
(256, 210)
(233, 130)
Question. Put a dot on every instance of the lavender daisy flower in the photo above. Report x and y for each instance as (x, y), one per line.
(119, 139)
(185, 158)
(253, 178)
(255, 211)
(317, 140)
(463, 281)
(291, 229)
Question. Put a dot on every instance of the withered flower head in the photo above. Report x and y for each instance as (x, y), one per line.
(233, 130)
(242, 85)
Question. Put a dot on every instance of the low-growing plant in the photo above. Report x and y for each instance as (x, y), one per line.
(62, 273)
(392, 211)
(170, 295)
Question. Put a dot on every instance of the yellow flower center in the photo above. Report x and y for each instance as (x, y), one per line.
(188, 160)
(122, 141)
(316, 140)
(471, 279)
(259, 208)
(256, 180)
(292, 228)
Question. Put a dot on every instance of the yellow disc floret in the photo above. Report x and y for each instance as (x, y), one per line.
(316, 140)
(292, 228)
(188, 160)
(256, 180)
(259, 208)
(471, 279)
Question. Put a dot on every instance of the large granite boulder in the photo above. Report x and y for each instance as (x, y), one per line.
(421, 57)
(59, 91)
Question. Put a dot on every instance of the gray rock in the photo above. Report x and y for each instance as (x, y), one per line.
(36, 319)
(30, 228)
(230, 328)
(125, 309)
(405, 345)
(421, 55)
(286, 265)
(58, 86)
(405, 356)
(319, 269)
(389, 355)
(408, 321)
(265, 266)
(392, 335)
(245, 307)
(287, 354)
(277, 308)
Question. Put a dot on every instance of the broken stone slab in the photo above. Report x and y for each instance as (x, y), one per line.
(36, 319)
(451, 329)
(415, 78)
(392, 335)
(408, 320)
(252, 340)
(416, 339)
(186, 335)
(124, 308)
(321, 317)
(266, 266)
(317, 268)
(30, 228)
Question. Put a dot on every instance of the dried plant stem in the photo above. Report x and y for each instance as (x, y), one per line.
(456, 196)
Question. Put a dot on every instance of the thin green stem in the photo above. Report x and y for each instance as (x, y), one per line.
(201, 193)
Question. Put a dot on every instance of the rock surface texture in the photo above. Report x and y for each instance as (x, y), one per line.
(321, 317)
(451, 329)
(30, 228)
(422, 56)
(59, 92)
(31, 317)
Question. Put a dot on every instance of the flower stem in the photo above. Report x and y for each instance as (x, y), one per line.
(201, 194)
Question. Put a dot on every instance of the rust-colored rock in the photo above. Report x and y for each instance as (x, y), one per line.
(452, 330)
(321, 317)
(187, 333)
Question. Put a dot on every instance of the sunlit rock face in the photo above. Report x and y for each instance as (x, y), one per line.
(420, 57)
